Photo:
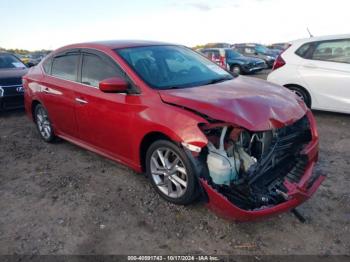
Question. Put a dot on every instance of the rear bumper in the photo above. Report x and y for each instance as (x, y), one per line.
(297, 192)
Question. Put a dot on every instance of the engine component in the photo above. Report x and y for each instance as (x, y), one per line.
(250, 168)
(222, 168)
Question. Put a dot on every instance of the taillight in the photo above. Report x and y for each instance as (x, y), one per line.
(279, 62)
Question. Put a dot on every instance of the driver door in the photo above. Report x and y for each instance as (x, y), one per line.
(104, 119)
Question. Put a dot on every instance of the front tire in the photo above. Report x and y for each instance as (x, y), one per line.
(302, 93)
(171, 173)
(43, 124)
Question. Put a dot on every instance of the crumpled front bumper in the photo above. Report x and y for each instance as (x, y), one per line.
(297, 192)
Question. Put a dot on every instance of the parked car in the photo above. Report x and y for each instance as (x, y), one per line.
(24, 59)
(11, 90)
(217, 45)
(234, 61)
(279, 46)
(258, 51)
(318, 70)
(245, 146)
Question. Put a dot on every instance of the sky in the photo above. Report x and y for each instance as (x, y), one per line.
(48, 24)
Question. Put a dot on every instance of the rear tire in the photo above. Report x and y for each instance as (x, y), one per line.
(43, 123)
(302, 93)
(236, 69)
(171, 173)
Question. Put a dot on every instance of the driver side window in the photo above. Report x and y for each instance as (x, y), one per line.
(95, 69)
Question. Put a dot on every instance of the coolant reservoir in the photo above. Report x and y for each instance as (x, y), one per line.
(222, 169)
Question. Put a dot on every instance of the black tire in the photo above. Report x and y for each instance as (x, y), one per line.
(191, 191)
(302, 93)
(49, 135)
(236, 69)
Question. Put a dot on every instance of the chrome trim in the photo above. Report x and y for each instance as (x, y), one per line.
(2, 91)
(71, 81)
(12, 85)
(81, 101)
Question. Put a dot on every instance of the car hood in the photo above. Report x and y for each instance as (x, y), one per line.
(12, 76)
(254, 104)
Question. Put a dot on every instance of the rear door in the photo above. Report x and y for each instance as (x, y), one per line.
(57, 91)
(103, 118)
(327, 74)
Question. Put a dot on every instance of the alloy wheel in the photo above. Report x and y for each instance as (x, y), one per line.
(43, 123)
(168, 172)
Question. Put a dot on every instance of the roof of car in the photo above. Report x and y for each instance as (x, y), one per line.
(114, 44)
(321, 38)
(215, 48)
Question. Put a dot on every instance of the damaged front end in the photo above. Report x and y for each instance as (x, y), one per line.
(250, 174)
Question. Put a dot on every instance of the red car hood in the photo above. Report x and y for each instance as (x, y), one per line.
(254, 104)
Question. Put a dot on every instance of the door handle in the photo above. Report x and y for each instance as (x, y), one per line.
(81, 101)
(46, 90)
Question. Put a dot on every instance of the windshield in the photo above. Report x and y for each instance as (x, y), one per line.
(232, 54)
(261, 49)
(166, 67)
(10, 61)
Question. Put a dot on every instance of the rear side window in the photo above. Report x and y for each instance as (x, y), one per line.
(95, 69)
(213, 54)
(66, 67)
(303, 50)
(249, 50)
(333, 51)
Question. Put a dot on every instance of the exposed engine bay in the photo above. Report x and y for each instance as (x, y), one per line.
(250, 168)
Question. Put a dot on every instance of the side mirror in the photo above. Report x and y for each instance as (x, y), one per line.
(114, 85)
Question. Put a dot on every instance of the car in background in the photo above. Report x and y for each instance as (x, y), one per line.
(317, 69)
(11, 89)
(35, 59)
(245, 146)
(24, 59)
(234, 61)
(257, 51)
(217, 45)
(280, 47)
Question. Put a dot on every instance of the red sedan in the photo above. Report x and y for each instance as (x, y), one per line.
(245, 146)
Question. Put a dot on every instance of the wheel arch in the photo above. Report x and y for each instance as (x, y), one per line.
(33, 105)
(302, 88)
(146, 142)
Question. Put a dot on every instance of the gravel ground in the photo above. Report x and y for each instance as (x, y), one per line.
(60, 199)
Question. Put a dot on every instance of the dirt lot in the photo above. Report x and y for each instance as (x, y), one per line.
(60, 199)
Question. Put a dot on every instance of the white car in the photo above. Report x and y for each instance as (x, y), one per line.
(318, 70)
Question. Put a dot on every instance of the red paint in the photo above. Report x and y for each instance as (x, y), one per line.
(250, 103)
(114, 125)
(113, 85)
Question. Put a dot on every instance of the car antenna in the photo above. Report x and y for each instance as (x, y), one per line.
(309, 32)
